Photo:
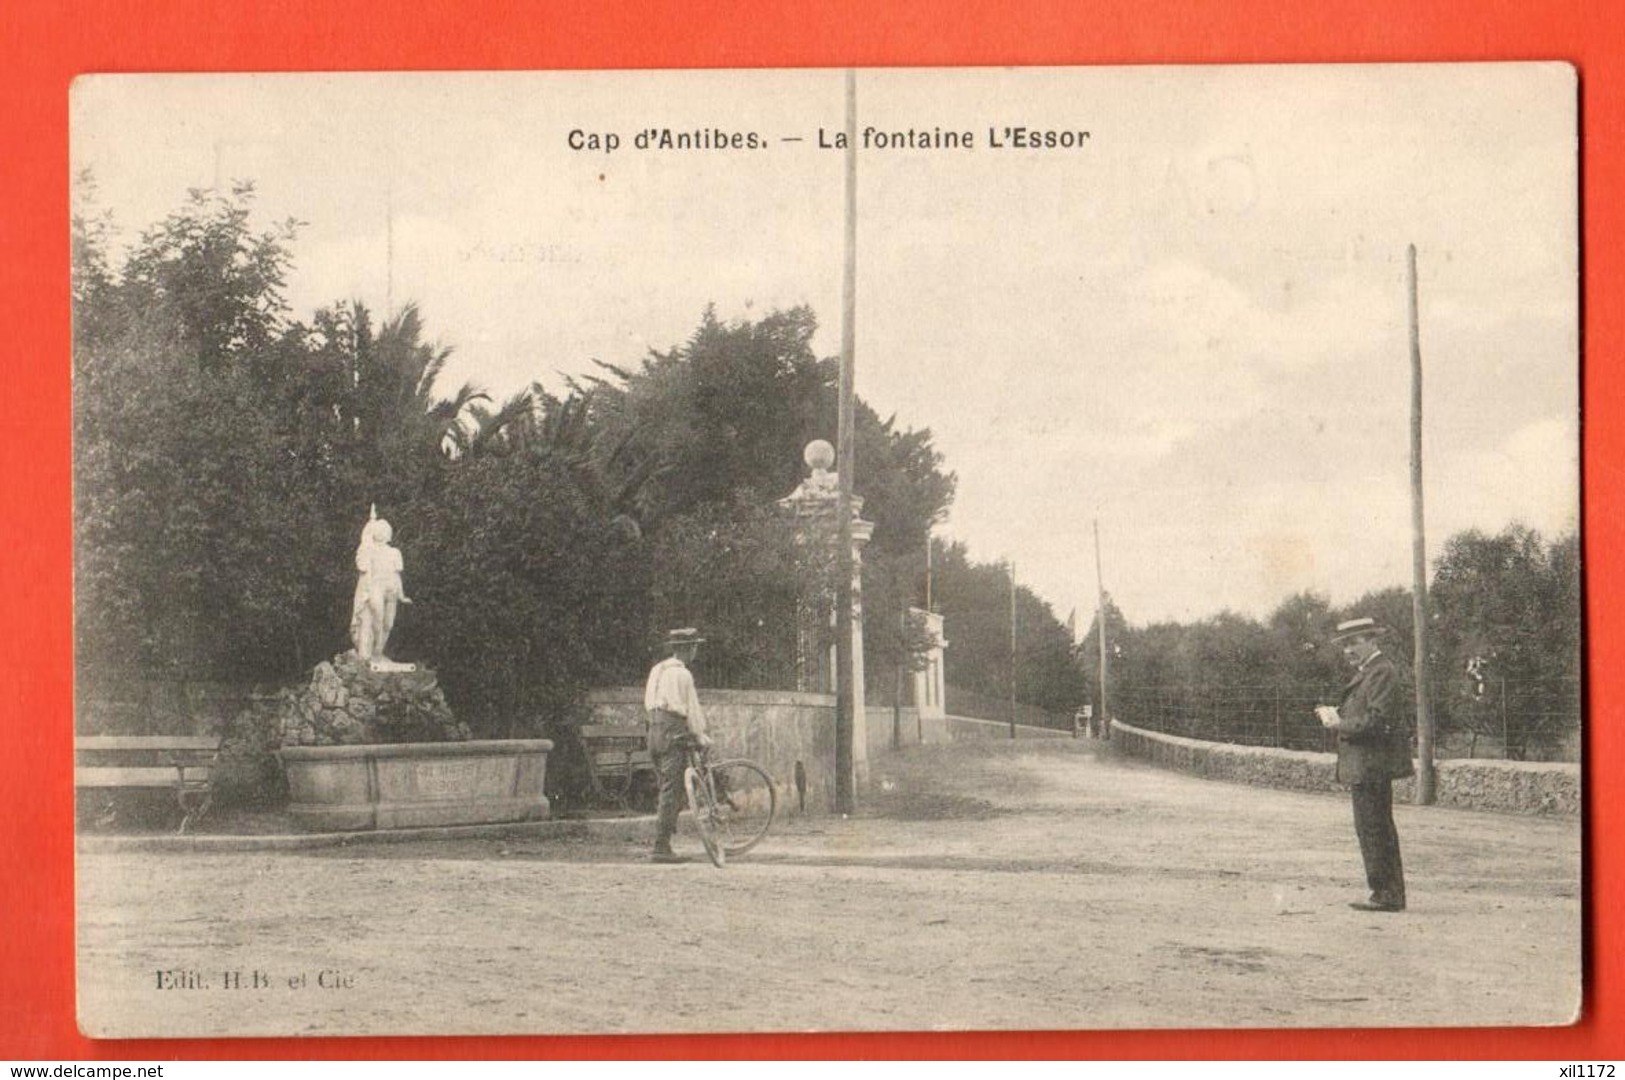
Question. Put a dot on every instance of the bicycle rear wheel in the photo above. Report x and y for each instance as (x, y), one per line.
(746, 803)
(703, 803)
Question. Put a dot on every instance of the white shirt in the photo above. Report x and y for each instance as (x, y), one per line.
(671, 687)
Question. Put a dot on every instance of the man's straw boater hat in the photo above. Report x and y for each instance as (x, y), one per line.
(1354, 629)
(686, 636)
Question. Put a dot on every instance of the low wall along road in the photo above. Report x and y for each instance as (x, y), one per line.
(780, 728)
(1520, 787)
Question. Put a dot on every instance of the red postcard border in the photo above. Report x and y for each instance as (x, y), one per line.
(47, 45)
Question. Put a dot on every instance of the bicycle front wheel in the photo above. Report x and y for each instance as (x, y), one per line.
(703, 803)
(746, 803)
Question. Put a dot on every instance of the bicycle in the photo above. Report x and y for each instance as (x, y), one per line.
(733, 802)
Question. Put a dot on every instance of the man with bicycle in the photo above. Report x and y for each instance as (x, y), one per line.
(676, 722)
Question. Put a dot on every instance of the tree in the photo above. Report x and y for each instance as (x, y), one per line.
(704, 436)
(226, 457)
(1507, 636)
(92, 276)
(1303, 662)
(726, 413)
(1121, 656)
(1048, 674)
(1504, 652)
(393, 433)
(209, 282)
(974, 600)
(905, 493)
(896, 633)
(758, 585)
(526, 595)
(190, 543)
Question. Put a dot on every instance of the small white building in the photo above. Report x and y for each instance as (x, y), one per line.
(931, 682)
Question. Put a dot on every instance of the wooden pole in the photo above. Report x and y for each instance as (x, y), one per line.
(928, 607)
(1419, 559)
(897, 682)
(1012, 650)
(845, 722)
(389, 247)
(1506, 731)
(1100, 626)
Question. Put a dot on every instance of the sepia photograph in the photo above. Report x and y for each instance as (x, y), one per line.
(825, 550)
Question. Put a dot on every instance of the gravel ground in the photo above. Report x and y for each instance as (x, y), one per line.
(1040, 885)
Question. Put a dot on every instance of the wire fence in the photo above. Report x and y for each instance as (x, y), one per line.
(1529, 719)
(1536, 720)
(1243, 715)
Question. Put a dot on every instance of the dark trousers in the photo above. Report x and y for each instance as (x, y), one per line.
(668, 746)
(1379, 840)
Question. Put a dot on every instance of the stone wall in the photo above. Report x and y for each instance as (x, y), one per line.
(781, 728)
(913, 729)
(776, 728)
(1474, 784)
(969, 729)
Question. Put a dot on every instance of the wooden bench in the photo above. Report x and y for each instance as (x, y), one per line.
(180, 763)
(619, 766)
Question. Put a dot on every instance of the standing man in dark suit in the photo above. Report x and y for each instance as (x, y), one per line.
(1373, 750)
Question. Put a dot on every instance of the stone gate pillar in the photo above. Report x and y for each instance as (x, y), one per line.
(813, 506)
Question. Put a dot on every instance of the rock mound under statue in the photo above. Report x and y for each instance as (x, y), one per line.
(348, 703)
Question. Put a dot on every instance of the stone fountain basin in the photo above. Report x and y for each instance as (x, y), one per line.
(414, 785)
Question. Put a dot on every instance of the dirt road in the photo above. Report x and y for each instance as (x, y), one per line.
(1027, 886)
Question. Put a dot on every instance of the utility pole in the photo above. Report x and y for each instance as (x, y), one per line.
(897, 681)
(1100, 626)
(845, 722)
(919, 715)
(389, 245)
(1012, 650)
(928, 606)
(1419, 558)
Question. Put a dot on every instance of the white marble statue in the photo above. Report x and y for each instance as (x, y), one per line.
(378, 592)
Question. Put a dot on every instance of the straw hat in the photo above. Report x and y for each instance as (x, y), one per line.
(1353, 629)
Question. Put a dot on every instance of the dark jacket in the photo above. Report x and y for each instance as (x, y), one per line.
(1374, 725)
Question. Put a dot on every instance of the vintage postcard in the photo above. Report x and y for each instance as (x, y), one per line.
(820, 550)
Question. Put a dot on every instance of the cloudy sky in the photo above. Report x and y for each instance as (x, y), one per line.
(1192, 327)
